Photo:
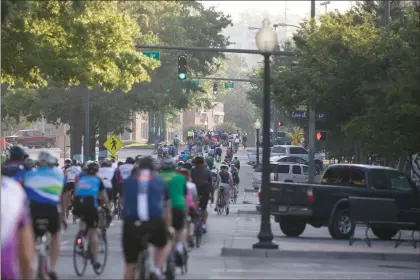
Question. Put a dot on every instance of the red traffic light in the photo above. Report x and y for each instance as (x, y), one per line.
(321, 135)
(280, 123)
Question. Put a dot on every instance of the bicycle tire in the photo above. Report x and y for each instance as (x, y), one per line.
(81, 253)
(42, 269)
(103, 241)
(141, 267)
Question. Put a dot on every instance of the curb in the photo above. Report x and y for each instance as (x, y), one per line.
(261, 253)
(250, 212)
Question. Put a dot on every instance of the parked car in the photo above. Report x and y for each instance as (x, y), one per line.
(296, 151)
(282, 172)
(32, 138)
(294, 159)
(327, 204)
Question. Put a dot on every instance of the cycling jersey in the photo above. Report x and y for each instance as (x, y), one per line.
(106, 174)
(192, 192)
(177, 188)
(71, 173)
(44, 185)
(125, 170)
(11, 168)
(13, 217)
(89, 186)
(144, 196)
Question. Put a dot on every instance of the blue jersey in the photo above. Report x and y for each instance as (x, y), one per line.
(144, 197)
(11, 168)
(89, 186)
(44, 185)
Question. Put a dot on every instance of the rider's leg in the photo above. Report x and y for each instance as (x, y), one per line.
(227, 198)
(54, 228)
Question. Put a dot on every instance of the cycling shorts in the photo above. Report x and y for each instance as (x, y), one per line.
(84, 207)
(45, 218)
(136, 237)
(68, 187)
(178, 219)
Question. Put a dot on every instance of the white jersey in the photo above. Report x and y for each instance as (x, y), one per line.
(106, 174)
(71, 173)
(125, 170)
(237, 140)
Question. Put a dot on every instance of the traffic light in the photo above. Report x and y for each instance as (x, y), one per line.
(215, 89)
(280, 123)
(321, 136)
(182, 67)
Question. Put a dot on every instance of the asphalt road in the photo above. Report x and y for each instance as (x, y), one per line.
(207, 262)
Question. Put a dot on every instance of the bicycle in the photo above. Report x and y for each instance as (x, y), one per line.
(117, 207)
(235, 193)
(144, 265)
(221, 207)
(198, 228)
(81, 247)
(42, 248)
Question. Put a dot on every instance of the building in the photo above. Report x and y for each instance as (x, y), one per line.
(209, 118)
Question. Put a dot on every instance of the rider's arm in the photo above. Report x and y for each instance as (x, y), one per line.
(103, 197)
(168, 208)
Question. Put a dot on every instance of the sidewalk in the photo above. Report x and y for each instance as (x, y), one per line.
(314, 243)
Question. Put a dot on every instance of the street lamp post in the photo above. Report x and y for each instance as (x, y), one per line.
(257, 126)
(266, 39)
(325, 4)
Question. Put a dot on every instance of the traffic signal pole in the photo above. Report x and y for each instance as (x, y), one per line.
(312, 122)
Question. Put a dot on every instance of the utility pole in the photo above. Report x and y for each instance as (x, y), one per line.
(387, 11)
(312, 121)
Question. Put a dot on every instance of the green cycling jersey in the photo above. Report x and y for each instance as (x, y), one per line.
(177, 188)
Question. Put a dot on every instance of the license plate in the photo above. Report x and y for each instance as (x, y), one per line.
(282, 209)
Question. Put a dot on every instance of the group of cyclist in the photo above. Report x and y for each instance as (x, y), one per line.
(157, 202)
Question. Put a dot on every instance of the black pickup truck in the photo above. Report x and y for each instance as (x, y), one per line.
(295, 205)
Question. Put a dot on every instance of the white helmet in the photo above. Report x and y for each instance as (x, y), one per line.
(46, 159)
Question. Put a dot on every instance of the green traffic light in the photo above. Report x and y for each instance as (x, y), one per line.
(182, 76)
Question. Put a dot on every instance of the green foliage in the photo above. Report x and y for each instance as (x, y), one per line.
(363, 76)
(227, 126)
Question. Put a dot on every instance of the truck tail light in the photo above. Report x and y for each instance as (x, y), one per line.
(276, 176)
(259, 195)
(310, 196)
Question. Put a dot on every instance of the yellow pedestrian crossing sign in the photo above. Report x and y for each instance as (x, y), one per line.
(114, 157)
(113, 144)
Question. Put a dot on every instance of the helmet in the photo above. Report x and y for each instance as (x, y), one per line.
(28, 163)
(67, 161)
(16, 153)
(224, 166)
(86, 164)
(137, 158)
(46, 159)
(180, 163)
(146, 163)
(106, 163)
(168, 164)
(92, 168)
(74, 162)
(129, 160)
(187, 165)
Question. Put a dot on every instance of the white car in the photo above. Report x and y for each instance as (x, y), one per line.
(297, 151)
(282, 172)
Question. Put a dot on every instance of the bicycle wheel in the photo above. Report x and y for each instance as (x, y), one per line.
(78, 251)
(143, 269)
(102, 251)
(198, 232)
(42, 269)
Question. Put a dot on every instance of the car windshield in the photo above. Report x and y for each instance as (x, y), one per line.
(19, 133)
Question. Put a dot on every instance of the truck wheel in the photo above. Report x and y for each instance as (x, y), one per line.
(292, 228)
(48, 144)
(342, 227)
(385, 233)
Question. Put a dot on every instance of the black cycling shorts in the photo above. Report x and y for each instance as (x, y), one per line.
(192, 213)
(178, 218)
(136, 237)
(84, 208)
(68, 187)
(204, 190)
(45, 218)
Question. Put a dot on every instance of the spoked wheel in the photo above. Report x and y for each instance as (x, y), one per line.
(143, 268)
(102, 254)
(42, 269)
(78, 252)
(184, 268)
(197, 238)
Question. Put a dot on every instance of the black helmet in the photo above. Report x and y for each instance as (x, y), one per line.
(74, 162)
(168, 164)
(120, 163)
(16, 153)
(28, 163)
(187, 165)
(92, 168)
(198, 160)
(106, 163)
(67, 161)
(129, 160)
(143, 163)
(180, 163)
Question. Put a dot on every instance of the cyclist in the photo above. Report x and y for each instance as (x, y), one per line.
(144, 215)
(218, 152)
(235, 180)
(202, 178)
(176, 143)
(67, 164)
(210, 162)
(177, 192)
(226, 183)
(216, 181)
(171, 150)
(44, 187)
(192, 202)
(88, 190)
(14, 164)
(236, 163)
(17, 237)
(244, 139)
(70, 176)
(121, 174)
(106, 172)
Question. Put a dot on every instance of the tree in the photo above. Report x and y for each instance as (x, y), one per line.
(227, 126)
